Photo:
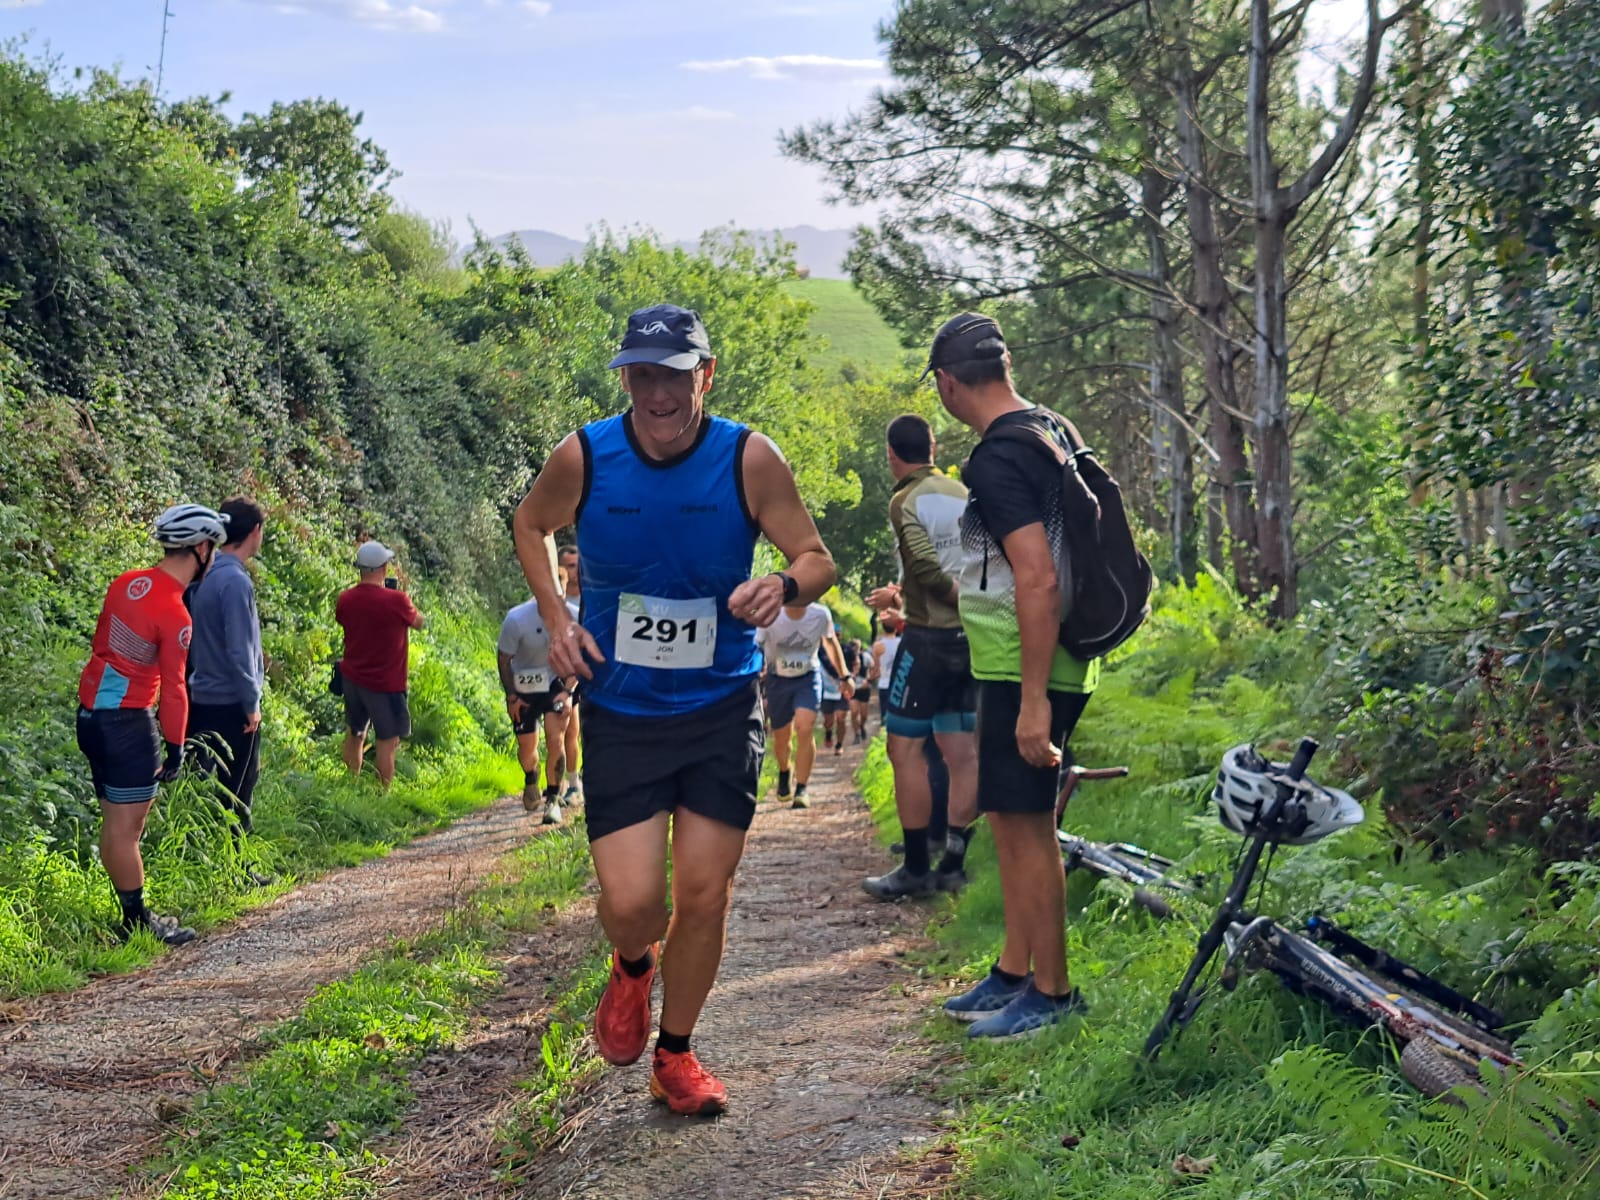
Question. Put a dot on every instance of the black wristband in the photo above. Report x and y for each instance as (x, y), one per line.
(791, 586)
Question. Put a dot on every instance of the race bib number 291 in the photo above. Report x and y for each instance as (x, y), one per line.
(652, 632)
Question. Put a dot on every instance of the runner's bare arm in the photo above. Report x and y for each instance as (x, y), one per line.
(775, 504)
(835, 653)
(550, 505)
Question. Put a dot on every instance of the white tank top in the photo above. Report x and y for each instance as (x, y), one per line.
(891, 651)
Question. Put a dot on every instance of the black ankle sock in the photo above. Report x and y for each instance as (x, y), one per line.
(799, 789)
(551, 791)
(1006, 977)
(671, 1042)
(783, 782)
(530, 778)
(916, 843)
(132, 902)
(953, 859)
(636, 968)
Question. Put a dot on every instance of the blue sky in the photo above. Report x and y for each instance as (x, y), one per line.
(549, 114)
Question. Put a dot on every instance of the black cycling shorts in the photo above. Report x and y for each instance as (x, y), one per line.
(1006, 782)
(536, 706)
(389, 713)
(707, 761)
(123, 746)
(931, 690)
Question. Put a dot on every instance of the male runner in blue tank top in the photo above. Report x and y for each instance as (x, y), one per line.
(668, 503)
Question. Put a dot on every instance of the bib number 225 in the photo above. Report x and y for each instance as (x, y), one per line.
(655, 632)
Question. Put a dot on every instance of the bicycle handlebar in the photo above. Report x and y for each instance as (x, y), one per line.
(1302, 758)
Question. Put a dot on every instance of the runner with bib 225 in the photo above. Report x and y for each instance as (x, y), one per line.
(668, 503)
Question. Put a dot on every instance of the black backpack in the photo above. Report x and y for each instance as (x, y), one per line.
(1105, 581)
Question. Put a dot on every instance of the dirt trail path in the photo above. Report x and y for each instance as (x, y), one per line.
(810, 1026)
(81, 1074)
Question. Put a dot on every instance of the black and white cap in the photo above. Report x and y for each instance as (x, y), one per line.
(666, 335)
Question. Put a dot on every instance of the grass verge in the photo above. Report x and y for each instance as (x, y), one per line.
(1266, 1096)
(300, 1120)
(57, 914)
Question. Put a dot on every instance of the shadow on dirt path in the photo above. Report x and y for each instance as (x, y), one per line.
(811, 1027)
(82, 1074)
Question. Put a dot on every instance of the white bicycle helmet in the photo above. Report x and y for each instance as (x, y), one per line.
(189, 525)
(1248, 786)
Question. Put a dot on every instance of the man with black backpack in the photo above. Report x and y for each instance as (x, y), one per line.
(1017, 569)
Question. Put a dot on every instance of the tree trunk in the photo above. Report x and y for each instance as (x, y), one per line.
(1169, 431)
(1274, 455)
(1212, 313)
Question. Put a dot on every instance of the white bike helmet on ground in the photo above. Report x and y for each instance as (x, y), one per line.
(1248, 786)
(189, 525)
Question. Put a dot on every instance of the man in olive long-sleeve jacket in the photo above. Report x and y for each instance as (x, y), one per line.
(931, 691)
(226, 666)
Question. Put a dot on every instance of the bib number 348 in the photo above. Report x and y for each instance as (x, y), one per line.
(653, 632)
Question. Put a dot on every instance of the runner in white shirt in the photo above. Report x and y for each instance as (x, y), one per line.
(792, 644)
(885, 650)
(534, 692)
(572, 589)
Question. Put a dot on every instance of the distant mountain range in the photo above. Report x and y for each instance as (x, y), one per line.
(820, 251)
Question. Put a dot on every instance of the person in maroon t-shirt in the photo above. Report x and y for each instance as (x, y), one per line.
(376, 617)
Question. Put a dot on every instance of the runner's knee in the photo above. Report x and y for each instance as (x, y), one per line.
(701, 898)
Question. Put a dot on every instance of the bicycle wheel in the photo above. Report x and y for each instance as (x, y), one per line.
(1433, 1072)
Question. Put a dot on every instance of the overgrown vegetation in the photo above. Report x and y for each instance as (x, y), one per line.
(1290, 1101)
(193, 305)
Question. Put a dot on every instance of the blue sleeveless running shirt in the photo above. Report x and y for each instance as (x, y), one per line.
(661, 546)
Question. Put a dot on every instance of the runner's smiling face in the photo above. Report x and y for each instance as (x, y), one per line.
(667, 404)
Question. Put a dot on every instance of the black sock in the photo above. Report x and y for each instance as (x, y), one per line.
(799, 789)
(916, 842)
(783, 783)
(550, 792)
(530, 778)
(637, 968)
(956, 859)
(132, 902)
(1006, 977)
(671, 1042)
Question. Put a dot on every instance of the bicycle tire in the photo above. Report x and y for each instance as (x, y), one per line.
(1153, 904)
(1433, 1072)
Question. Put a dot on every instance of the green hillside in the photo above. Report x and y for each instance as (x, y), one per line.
(855, 331)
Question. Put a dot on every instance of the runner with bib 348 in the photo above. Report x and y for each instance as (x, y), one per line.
(668, 503)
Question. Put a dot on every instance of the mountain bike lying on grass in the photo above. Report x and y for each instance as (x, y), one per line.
(1443, 1035)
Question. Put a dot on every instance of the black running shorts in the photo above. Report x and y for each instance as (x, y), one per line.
(536, 706)
(931, 691)
(1006, 782)
(123, 746)
(388, 713)
(707, 761)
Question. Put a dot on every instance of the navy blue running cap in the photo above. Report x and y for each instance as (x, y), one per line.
(666, 335)
(964, 338)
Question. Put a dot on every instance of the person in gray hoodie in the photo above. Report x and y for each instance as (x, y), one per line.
(226, 667)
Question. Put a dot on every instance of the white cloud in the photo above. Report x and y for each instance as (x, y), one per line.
(792, 66)
(539, 8)
(379, 14)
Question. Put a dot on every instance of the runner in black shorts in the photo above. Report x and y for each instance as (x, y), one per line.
(535, 695)
(668, 503)
(930, 689)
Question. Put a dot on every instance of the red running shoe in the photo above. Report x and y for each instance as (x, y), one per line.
(622, 1020)
(684, 1086)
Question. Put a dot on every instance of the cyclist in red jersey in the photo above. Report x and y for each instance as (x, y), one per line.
(140, 651)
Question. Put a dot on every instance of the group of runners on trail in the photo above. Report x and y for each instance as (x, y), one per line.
(682, 659)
